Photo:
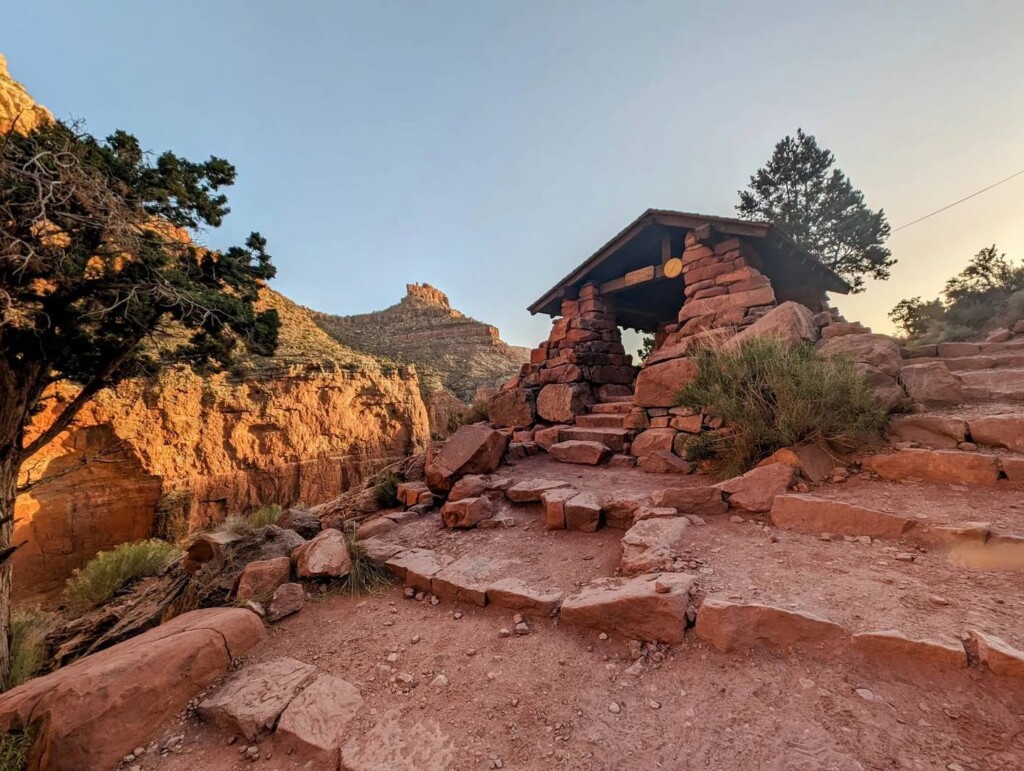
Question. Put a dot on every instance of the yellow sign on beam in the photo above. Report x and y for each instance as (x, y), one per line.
(673, 267)
(639, 276)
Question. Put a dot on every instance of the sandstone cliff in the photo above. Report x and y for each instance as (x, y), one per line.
(16, 105)
(455, 355)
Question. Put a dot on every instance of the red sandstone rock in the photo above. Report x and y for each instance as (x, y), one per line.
(732, 626)
(586, 453)
(546, 437)
(259, 579)
(471, 486)
(997, 385)
(999, 431)
(702, 500)
(656, 385)
(621, 461)
(554, 506)
(814, 460)
(561, 402)
(612, 438)
(633, 607)
(380, 550)
(374, 527)
(652, 440)
(530, 490)
(654, 544)
(288, 598)
(756, 490)
(877, 351)
(516, 595)
(619, 507)
(326, 556)
(467, 579)
(1000, 657)
(416, 567)
(887, 644)
(91, 713)
(252, 699)
(934, 431)
(515, 407)
(807, 514)
(474, 449)
(653, 512)
(947, 466)
(313, 726)
(466, 512)
(931, 383)
(583, 512)
(791, 322)
(951, 350)
(1013, 468)
(691, 424)
(663, 462)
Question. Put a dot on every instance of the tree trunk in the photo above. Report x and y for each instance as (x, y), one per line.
(8, 482)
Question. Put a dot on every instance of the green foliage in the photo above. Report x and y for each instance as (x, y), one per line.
(110, 571)
(14, 747)
(988, 293)
(772, 397)
(801, 192)
(386, 489)
(365, 576)
(266, 515)
(28, 645)
(646, 346)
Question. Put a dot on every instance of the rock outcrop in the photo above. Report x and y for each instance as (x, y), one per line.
(17, 107)
(454, 354)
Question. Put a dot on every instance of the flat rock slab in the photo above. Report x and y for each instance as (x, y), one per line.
(934, 431)
(380, 550)
(654, 544)
(999, 656)
(417, 567)
(91, 713)
(252, 699)
(467, 579)
(942, 466)
(808, 514)
(634, 607)
(755, 491)
(575, 451)
(734, 626)
(313, 726)
(514, 594)
(999, 431)
(530, 490)
(612, 438)
(702, 500)
(888, 644)
(288, 598)
(554, 506)
(374, 527)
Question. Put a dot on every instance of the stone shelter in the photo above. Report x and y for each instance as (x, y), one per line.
(683, 277)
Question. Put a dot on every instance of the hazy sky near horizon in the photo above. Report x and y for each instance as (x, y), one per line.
(489, 147)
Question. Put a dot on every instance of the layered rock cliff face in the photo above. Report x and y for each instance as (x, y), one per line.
(179, 451)
(454, 354)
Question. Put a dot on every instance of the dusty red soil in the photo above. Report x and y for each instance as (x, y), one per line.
(542, 700)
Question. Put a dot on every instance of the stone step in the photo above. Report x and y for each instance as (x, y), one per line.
(992, 385)
(1004, 360)
(611, 408)
(612, 438)
(609, 420)
(616, 399)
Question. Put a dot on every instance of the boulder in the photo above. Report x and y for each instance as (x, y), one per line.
(380, 550)
(999, 431)
(582, 452)
(583, 512)
(814, 461)
(663, 462)
(466, 512)
(807, 514)
(934, 431)
(546, 437)
(530, 490)
(943, 466)
(656, 385)
(251, 700)
(314, 725)
(372, 528)
(756, 490)
(515, 407)
(472, 486)
(305, 523)
(889, 644)
(554, 506)
(731, 626)
(621, 461)
(633, 607)
(702, 500)
(878, 351)
(515, 595)
(287, 599)
(91, 713)
(562, 402)
(259, 579)
(791, 322)
(652, 440)
(619, 507)
(931, 383)
(474, 449)
(653, 544)
(326, 556)
(997, 655)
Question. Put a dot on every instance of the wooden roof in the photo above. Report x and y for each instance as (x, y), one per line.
(639, 245)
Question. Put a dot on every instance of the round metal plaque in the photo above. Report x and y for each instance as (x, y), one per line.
(673, 267)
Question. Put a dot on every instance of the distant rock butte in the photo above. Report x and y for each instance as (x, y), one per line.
(451, 351)
(16, 105)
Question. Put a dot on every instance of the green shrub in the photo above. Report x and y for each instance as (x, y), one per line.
(14, 747)
(772, 397)
(386, 489)
(110, 571)
(366, 576)
(28, 645)
(265, 515)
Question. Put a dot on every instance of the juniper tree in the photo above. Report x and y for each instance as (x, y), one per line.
(802, 192)
(96, 257)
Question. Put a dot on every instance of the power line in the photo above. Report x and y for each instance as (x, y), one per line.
(967, 198)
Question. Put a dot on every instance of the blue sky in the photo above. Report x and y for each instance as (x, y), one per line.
(488, 147)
